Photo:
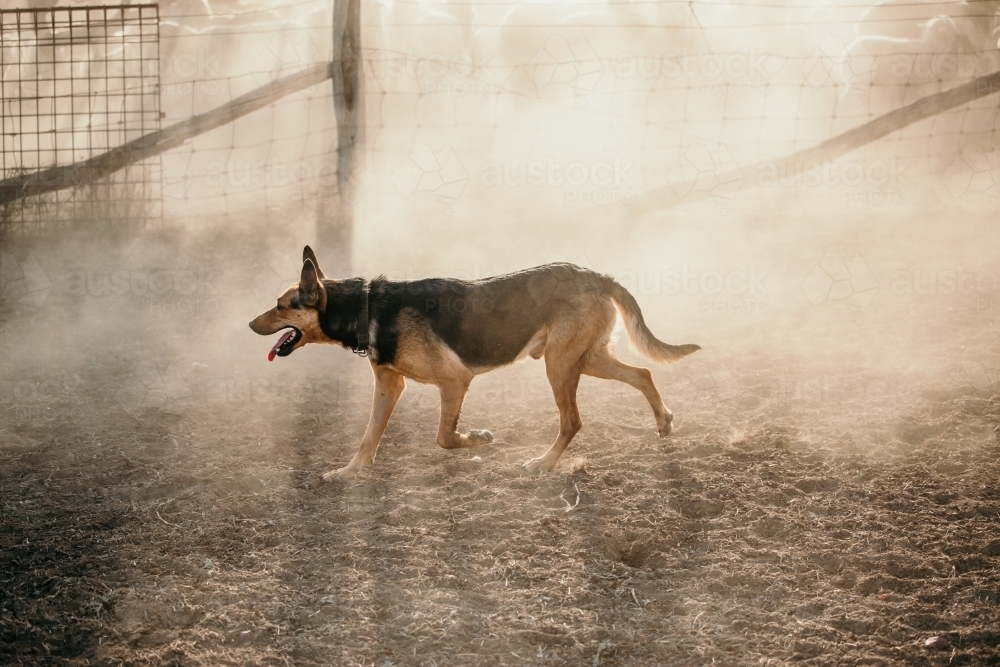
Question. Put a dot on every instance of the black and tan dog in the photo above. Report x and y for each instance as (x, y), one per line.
(445, 332)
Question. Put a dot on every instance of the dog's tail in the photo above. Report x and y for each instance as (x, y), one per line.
(643, 340)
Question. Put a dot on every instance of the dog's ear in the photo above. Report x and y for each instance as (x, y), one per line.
(307, 253)
(310, 288)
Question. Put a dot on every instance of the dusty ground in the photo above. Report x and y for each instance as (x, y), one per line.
(160, 505)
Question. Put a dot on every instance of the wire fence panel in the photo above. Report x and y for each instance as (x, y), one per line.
(624, 108)
(275, 161)
(620, 104)
(75, 83)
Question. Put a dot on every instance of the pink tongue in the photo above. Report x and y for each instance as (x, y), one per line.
(281, 341)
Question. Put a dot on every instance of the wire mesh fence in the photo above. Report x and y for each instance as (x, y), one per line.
(75, 83)
(639, 107)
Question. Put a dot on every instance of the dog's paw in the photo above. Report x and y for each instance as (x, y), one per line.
(665, 430)
(480, 436)
(340, 474)
(538, 466)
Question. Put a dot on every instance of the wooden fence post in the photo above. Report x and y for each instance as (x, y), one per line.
(335, 223)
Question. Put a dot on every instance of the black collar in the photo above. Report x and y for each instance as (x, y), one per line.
(361, 349)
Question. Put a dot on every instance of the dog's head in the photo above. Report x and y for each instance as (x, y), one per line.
(298, 310)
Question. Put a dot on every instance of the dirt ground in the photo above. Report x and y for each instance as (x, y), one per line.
(161, 506)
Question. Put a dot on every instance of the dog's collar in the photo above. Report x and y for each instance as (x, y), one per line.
(361, 349)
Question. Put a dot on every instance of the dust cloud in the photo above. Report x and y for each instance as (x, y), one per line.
(847, 313)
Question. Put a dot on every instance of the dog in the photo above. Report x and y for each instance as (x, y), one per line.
(444, 332)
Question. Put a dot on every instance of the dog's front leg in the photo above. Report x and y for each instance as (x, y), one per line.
(389, 386)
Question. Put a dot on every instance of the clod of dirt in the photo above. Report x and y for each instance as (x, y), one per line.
(993, 548)
(500, 548)
(937, 643)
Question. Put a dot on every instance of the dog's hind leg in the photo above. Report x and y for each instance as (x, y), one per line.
(452, 397)
(389, 386)
(564, 377)
(603, 364)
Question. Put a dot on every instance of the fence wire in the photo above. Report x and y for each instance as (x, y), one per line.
(515, 107)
